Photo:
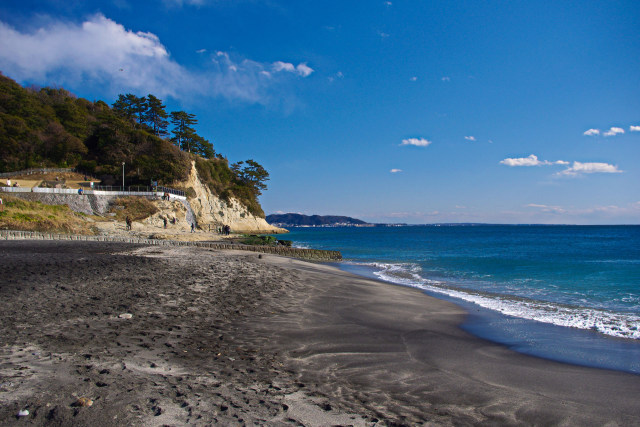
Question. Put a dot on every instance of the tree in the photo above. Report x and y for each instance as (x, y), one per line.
(252, 175)
(131, 107)
(182, 130)
(156, 116)
(185, 136)
(202, 147)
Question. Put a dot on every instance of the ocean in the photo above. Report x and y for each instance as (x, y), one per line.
(566, 293)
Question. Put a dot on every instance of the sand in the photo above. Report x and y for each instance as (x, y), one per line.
(175, 336)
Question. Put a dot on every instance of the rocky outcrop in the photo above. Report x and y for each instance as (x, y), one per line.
(210, 211)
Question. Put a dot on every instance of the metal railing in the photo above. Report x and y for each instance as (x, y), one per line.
(104, 190)
(139, 189)
(130, 189)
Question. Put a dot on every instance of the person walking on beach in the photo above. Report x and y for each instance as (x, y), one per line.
(128, 222)
(193, 227)
(164, 220)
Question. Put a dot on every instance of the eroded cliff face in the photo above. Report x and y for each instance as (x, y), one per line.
(210, 211)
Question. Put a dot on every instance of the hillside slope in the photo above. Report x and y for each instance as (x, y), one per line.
(45, 127)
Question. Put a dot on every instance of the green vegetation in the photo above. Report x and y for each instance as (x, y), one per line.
(259, 240)
(225, 182)
(45, 127)
(20, 214)
(136, 208)
(264, 241)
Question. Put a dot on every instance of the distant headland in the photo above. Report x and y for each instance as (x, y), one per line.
(300, 220)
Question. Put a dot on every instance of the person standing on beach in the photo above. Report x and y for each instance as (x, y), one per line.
(164, 220)
(193, 227)
(128, 222)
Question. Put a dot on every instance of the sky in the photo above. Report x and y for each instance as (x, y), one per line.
(403, 111)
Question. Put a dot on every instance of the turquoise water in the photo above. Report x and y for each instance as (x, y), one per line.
(570, 293)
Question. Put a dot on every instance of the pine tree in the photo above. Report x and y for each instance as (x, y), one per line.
(131, 107)
(156, 116)
(201, 146)
(182, 130)
(252, 175)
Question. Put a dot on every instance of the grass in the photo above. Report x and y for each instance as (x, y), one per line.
(23, 215)
(136, 208)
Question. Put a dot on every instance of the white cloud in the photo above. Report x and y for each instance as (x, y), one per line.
(302, 69)
(634, 128)
(446, 79)
(546, 208)
(388, 3)
(470, 138)
(418, 142)
(104, 54)
(592, 132)
(413, 79)
(613, 131)
(532, 160)
(579, 168)
(201, 50)
(395, 170)
(383, 35)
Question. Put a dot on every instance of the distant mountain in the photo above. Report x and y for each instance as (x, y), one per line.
(299, 220)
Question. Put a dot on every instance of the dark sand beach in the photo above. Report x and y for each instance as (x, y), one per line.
(180, 335)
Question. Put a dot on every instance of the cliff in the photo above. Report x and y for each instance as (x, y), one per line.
(211, 211)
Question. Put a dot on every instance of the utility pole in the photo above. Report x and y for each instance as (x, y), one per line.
(122, 176)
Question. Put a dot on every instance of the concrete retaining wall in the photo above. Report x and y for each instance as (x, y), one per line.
(308, 254)
(90, 203)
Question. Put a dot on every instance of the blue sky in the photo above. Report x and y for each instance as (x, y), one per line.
(389, 111)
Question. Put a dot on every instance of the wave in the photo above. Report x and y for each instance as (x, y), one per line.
(616, 324)
(299, 245)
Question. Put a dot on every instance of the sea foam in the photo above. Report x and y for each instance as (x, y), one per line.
(616, 324)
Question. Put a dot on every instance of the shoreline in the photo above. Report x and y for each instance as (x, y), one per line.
(227, 338)
(581, 347)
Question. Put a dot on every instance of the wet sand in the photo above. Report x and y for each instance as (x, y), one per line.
(174, 336)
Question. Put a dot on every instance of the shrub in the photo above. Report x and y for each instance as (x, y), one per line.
(259, 240)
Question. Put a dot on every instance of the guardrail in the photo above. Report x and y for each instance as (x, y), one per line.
(132, 188)
(92, 192)
(139, 189)
(308, 254)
